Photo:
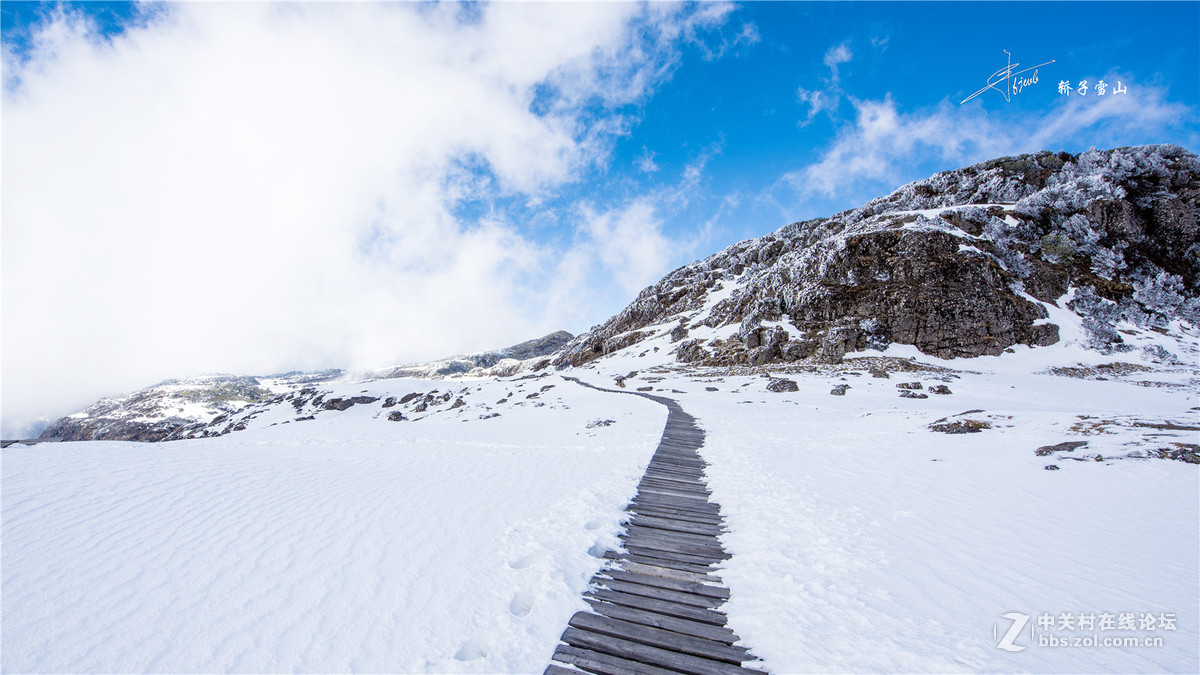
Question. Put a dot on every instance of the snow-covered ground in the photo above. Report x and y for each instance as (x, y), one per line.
(347, 543)
(862, 540)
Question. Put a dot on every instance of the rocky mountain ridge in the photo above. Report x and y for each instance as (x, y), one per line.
(497, 362)
(211, 405)
(962, 264)
(176, 408)
(966, 263)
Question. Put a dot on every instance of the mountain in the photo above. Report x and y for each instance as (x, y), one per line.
(177, 408)
(213, 405)
(965, 263)
(497, 362)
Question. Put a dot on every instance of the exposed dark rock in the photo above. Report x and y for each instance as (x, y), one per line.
(1120, 224)
(396, 416)
(678, 333)
(408, 397)
(940, 389)
(909, 385)
(839, 389)
(389, 402)
(959, 427)
(691, 351)
(1068, 446)
(1183, 452)
(908, 393)
(338, 404)
(1051, 467)
(458, 403)
(779, 385)
(711, 389)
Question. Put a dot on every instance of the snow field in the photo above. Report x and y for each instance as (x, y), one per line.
(864, 542)
(347, 543)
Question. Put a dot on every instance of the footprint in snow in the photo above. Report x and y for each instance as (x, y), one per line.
(527, 560)
(471, 650)
(522, 603)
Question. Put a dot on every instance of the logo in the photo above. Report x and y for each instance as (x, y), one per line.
(1012, 80)
(1018, 623)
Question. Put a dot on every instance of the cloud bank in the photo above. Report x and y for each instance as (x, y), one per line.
(255, 187)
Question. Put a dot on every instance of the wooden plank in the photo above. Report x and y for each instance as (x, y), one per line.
(687, 518)
(674, 474)
(663, 607)
(635, 651)
(676, 525)
(694, 507)
(665, 572)
(698, 506)
(553, 669)
(700, 502)
(677, 597)
(690, 489)
(692, 587)
(705, 541)
(665, 545)
(706, 631)
(661, 472)
(678, 542)
(691, 522)
(685, 457)
(605, 664)
(662, 562)
(677, 556)
(671, 513)
(657, 637)
(689, 486)
(676, 494)
(676, 477)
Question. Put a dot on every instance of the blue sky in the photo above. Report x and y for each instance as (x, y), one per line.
(197, 187)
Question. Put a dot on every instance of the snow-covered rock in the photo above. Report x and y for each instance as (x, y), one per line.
(962, 264)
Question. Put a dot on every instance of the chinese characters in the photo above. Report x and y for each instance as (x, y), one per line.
(1082, 87)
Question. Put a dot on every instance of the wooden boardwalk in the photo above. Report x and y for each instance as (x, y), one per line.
(655, 607)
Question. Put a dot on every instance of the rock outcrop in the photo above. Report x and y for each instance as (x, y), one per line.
(499, 362)
(961, 264)
(176, 408)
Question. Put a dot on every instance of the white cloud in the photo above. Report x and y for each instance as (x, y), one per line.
(828, 98)
(628, 242)
(249, 187)
(645, 161)
(838, 54)
(883, 145)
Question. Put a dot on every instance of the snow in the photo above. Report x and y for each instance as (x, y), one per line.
(861, 540)
(343, 544)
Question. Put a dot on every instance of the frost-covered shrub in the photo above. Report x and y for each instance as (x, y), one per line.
(1158, 354)
(1165, 295)
(874, 334)
(1107, 261)
(1005, 237)
(1103, 337)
